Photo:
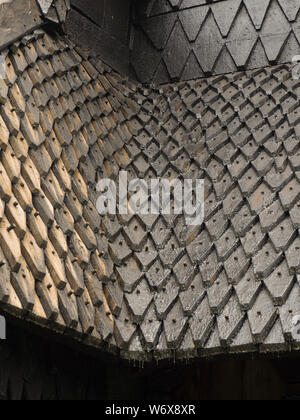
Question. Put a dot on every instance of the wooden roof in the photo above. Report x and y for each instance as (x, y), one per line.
(150, 286)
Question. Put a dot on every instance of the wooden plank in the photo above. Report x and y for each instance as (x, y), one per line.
(47, 293)
(10, 245)
(55, 266)
(23, 283)
(34, 256)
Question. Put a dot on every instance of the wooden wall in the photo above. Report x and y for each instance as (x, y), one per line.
(246, 380)
(35, 368)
